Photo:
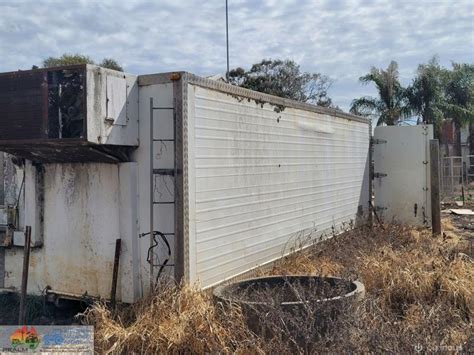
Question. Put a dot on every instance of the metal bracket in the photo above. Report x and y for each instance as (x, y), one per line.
(378, 141)
(170, 172)
(379, 175)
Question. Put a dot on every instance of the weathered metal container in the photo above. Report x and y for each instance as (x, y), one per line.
(69, 114)
(231, 178)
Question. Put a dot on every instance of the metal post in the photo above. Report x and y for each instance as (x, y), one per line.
(442, 173)
(152, 193)
(227, 37)
(2, 201)
(451, 162)
(2, 178)
(113, 293)
(435, 199)
(371, 174)
(24, 278)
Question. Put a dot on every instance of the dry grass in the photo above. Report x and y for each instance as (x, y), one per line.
(303, 264)
(177, 319)
(420, 292)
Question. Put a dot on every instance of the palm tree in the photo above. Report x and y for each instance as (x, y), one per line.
(459, 105)
(437, 93)
(391, 106)
(426, 94)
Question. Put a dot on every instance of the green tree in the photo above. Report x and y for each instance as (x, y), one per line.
(391, 106)
(71, 59)
(111, 64)
(459, 101)
(426, 94)
(438, 93)
(284, 78)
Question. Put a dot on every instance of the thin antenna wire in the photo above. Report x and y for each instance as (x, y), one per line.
(227, 37)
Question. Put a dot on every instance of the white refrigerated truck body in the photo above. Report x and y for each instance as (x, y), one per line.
(235, 179)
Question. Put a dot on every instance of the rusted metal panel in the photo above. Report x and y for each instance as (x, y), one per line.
(62, 114)
(74, 151)
(21, 106)
(42, 104)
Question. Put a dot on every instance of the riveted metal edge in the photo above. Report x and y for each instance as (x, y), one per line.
(185, 200)
(265, 98)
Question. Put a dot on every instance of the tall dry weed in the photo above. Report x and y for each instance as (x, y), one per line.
(419, 295)
(177, 319)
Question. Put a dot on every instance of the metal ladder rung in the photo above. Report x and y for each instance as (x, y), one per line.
(153, 172)
(163, 172)
(163, 265)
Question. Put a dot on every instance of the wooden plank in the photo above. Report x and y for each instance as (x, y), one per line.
(462, 212)
(435, 198)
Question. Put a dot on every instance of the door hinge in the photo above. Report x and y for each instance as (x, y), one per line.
(379, 175)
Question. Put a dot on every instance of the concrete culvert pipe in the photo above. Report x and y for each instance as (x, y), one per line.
(308, 306)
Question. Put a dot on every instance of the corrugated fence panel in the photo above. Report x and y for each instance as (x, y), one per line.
(264, 178)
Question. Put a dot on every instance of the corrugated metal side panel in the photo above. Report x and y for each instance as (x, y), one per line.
(264, 179)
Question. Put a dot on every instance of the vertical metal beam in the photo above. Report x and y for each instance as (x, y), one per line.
(179, 193)
(2, 201)
(113, 292)
(451, 161)
(24, 278)
(152, 193)
(371, 174)
(2, 178)
(435, 199)
(227, 37)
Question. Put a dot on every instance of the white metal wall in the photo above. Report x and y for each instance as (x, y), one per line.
(162, 95)
(402, 160)
(112, 107)
(259, 180)
(85, 211)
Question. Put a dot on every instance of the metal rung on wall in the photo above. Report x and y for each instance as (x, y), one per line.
(163, 172)
(170, 172)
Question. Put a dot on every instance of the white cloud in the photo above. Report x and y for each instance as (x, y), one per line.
(342, 39)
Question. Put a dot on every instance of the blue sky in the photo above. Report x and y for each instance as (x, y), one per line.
(341, 39)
